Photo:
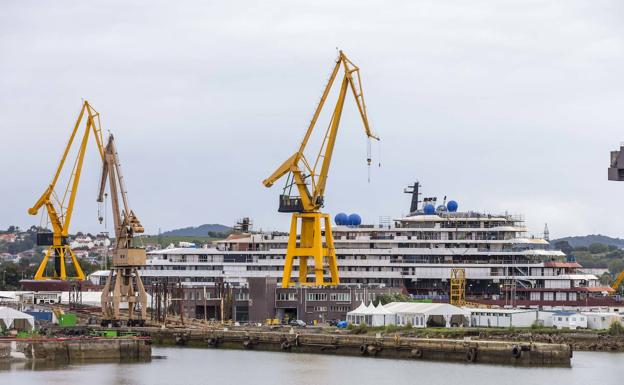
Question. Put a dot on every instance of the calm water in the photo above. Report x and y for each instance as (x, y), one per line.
(189, 366)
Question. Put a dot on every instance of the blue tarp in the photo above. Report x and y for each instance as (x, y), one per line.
(41, 315)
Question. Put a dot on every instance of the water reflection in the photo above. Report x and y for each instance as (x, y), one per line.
(189, 366)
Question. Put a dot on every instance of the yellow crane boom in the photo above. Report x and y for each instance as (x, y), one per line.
(618, 281)
(61, 208)
(310, 180)
(298, 165)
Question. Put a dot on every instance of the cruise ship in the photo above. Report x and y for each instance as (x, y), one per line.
(413, 254)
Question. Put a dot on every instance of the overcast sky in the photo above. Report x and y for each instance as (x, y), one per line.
(501, 105)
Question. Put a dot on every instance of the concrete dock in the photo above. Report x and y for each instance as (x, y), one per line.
(514, 353)
(80, 349)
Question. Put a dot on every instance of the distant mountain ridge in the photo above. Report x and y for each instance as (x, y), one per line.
(198, 231)
(586, 240)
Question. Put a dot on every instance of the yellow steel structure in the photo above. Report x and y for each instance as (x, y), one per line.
(61, 208)
(458, 287)
(457, 295)
(618, 281)
(310, 180)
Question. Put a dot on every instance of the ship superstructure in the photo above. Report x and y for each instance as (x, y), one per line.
(503, 264)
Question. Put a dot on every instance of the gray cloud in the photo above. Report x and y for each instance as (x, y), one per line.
(500, 105)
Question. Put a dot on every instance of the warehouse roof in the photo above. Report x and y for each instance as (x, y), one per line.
(425, 308)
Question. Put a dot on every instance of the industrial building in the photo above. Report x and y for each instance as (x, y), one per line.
(503, 318)
(602, 320)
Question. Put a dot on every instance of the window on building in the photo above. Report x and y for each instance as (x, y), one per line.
(316, 297)
(340, 309)
(287, 296)
(242, 296)
(340, 297)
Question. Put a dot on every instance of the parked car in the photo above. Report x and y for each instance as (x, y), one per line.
(297, 322)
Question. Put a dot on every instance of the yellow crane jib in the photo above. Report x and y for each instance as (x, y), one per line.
(123, 284)
(310, 180)
(61, 207)
(618, 281)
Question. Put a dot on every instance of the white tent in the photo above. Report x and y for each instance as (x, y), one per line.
(356, 316)
(13, 319)
(368, 314)
(382, 317)
(428, 314)
(363, 314)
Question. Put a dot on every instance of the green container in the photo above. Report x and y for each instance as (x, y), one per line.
(108, 333)
(67, 319)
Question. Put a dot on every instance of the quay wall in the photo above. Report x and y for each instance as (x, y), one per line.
(68, 350)
(528, 354)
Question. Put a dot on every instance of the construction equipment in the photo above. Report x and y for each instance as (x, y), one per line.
(618, 281)
(457, 293)
(310, 182)
(61, 208)
(458, 287)
(123, 284)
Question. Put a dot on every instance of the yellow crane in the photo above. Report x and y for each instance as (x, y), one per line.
(618, 281)
(310, 180)
(61, 207)
(123, 284)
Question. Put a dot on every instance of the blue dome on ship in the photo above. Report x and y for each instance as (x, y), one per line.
(452, 206)
(354, 220)
(429, 209)
(341, 219)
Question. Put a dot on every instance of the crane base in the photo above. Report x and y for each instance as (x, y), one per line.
(59, 254)
(310, 246)
(124, 285)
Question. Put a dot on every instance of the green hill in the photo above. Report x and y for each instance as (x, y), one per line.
(587, 240)
(198, 231)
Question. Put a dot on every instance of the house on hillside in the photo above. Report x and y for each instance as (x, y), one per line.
(81, 254)
(9, 238)
(102, 240)
(7, 257)
(82, 242)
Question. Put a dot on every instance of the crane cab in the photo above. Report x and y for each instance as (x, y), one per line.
(129, 257)
(46, 238)
(290, 204)
(294, 204)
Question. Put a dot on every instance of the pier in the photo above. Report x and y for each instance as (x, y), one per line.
(514, 353)
(76, 349)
